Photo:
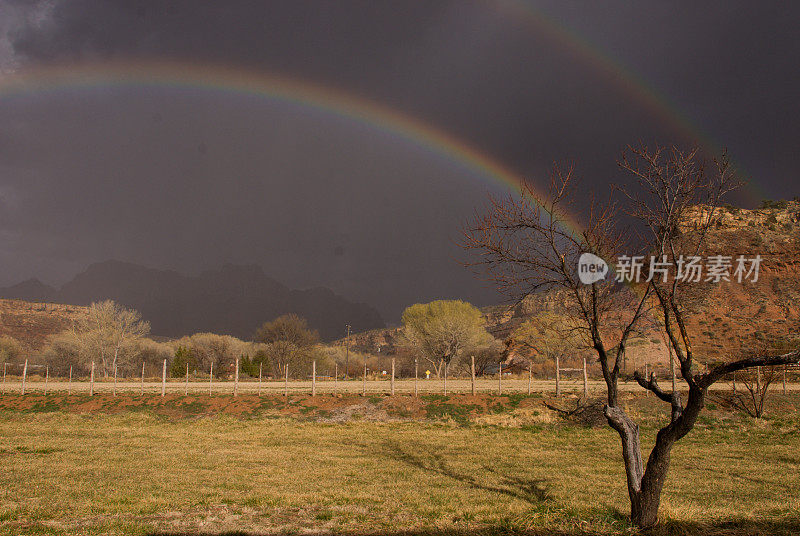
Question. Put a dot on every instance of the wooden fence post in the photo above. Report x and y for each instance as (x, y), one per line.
(314, 378)
(335, 378)
(210, 377)
(286, 382)
(69, 385)
(47, 378)
(164, 378)
(24, 376)
(115, 381)
(141, 384)
(784, 379)
(392, 376)
(236, 378)
(500, 379)
(186, 385)
(445, 377)
(364, 389)
(734, 383)
(472, 373)
(4, 372)
(530, 377)
(91, 381)
(558, 378)
(416, 366)
(585, 380)
(260, 366)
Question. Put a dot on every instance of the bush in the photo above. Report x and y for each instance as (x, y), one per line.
(732, 209)
(210, 348)
(779, 204)
(64, 350)
(10, 349)
(151, 353)
(183, 356)
(251, 366)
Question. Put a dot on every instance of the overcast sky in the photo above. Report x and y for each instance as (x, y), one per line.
(190, 179)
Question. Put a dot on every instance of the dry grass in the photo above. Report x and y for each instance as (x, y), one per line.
(136, 472)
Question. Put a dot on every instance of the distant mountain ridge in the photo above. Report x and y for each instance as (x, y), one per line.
(232, 300)
(32, 289)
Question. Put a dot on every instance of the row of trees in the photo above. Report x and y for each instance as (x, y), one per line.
(115, 337)
(438, 333)
(285, 342)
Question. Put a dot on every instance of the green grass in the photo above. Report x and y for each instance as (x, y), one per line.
(459, 413)
(138, 473)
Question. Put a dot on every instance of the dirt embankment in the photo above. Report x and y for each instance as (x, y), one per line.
(513, 410)
(459, 408)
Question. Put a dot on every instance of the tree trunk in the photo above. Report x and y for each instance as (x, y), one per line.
(631, 454)
(114, 364)
(438, 366)
(644, 511)
(103, 361)
(645, 483)
(644, 486)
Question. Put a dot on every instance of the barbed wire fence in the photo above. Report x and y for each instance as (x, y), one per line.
(27, 378)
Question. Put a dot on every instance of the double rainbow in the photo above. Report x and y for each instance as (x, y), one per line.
(219, 78)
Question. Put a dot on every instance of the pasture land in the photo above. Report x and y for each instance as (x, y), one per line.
(377, 465)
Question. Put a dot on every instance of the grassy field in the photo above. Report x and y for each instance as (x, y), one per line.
(376, 465)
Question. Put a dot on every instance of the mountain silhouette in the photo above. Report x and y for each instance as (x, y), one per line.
(232, 300)
(29, 290)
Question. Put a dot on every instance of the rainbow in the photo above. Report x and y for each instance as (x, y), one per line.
(333, 102)
(183, 75)
(620, 76)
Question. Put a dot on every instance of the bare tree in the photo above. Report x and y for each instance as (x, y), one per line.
(288, 328)
(757, 383)
(289, 341)
(486, 357)
(109, 329)
(527, 244)
(548, 336)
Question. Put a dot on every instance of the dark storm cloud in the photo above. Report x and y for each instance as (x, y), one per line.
(191, 181)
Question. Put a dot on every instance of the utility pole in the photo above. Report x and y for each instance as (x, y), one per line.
(347, 352)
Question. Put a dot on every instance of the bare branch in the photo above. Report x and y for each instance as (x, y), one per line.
(715, 374)
(674, 398)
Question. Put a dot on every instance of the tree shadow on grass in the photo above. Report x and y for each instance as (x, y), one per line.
(532, 491)
(566, 522)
